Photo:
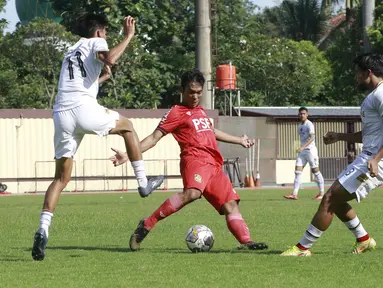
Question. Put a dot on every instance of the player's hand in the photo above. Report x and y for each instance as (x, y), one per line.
(373, 167)
(299, 150)
(246, 142)
(129, 26)
(107, 70)
(330, 138)
(119, 158)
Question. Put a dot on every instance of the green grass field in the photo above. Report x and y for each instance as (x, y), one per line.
(88, 244)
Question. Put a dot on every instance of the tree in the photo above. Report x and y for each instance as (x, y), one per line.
(33, 55)
(296, 19)
(375, 32)
(163, 47)
(3, 22)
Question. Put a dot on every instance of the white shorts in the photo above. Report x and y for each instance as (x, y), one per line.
(71, 126)
(310, 156)
(356, 178)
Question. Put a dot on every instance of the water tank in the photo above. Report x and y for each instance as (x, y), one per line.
(27, 10)
(226, 77)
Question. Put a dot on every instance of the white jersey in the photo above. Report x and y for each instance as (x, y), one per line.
(371, 113)
(305, 130)
(79, 75)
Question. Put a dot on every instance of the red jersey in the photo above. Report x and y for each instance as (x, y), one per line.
(194, 132)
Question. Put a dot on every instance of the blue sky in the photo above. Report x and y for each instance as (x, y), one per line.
(12, 18)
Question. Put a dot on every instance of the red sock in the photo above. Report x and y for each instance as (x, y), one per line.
(300, 246)
(170, 206)
(364, 238)
(238, 227)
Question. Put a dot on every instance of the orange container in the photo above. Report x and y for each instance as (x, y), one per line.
(226, 77)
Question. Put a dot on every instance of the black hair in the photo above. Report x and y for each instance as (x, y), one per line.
(303, 109)
(192, 76)
(370, 61)
(88, 24)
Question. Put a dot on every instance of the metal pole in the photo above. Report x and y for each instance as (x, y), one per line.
(239, 103)
(368, 21)
(231, 103)
(203, 46)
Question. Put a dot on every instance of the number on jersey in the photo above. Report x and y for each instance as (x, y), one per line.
(80, 64)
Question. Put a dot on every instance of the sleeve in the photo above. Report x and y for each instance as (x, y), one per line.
(379, 103)
(170, 121)
(100, 45)
(311, 129)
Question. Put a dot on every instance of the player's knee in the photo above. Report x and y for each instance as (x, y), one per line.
(125, 125)
(62, 180)
(298, 172)
(230, 207)
(315, 170)
(189, 195)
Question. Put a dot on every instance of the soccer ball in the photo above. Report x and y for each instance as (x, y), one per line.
(199, 238)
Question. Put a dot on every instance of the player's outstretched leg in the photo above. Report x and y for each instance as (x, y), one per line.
(239, 228)
(170, 206)
(62, 177)
(124, 127)
(333, 202)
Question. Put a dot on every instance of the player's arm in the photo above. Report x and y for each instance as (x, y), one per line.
(110, 57)
(149, 142)
(311, 139)
(332, 137)
(152, 140)
(227, 138)
(106, 75)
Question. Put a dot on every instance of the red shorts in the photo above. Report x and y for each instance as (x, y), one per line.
(210, 180)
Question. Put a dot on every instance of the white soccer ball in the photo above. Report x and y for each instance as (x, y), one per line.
(199, 238)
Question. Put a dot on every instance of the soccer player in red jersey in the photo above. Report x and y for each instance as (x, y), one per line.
(201, 164)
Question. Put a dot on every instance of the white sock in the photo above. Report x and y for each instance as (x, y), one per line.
(297, 181)
(45, 221)
(139, 171)
(320, 182)
(311, 235)
(356, 228)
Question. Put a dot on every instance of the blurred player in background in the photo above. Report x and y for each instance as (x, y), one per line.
(77, 112)
(361, 176)
(307, 153)
(201, 164)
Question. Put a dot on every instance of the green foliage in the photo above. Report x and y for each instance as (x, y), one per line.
(375, 32)
(295, 19)
(33, 55)
(280, 72)
(274, 66)
(345, 45)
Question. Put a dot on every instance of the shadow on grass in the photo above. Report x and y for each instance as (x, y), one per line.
(13, 259)
(214, 251)
(161, 250)
(86, 248)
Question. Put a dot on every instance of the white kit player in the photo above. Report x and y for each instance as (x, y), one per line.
(307, 153)
(77, 112)
(363, 175)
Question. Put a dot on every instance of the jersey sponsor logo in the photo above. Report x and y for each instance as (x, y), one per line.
(197, 178)
(201, 124)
